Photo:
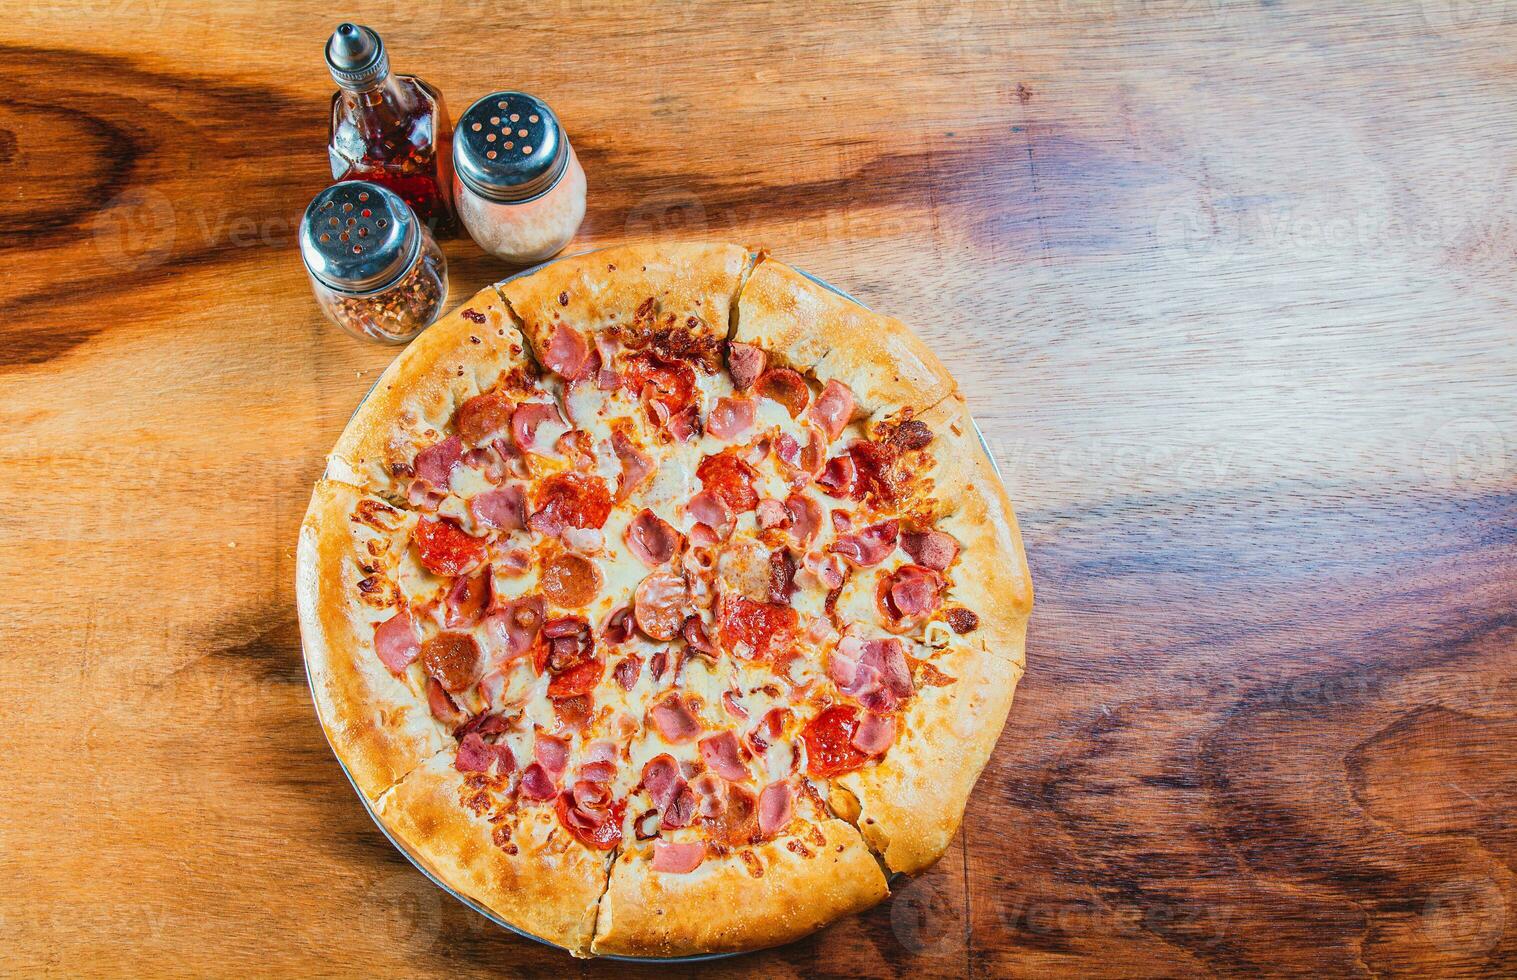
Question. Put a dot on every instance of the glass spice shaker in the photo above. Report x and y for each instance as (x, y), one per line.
(517, 184)
(391, 129)
(374, 267)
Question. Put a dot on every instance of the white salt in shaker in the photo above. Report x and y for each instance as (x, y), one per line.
(517, 184)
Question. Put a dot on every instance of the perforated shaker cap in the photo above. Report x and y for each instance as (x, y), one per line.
(509, 147)
(356, 57)
(358, 237)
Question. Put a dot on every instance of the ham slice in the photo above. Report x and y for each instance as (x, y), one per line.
(723, 754)
(674, 720)
(837, 479)
(566, 353)
(833, 408)
(775, 808)
(536, 784)
(681, 808)
(870, 546)
(661, 779)
(745, 363)
(627, 671)
(606, 346)
(874, 734)
(930, 549)
(529, 418)
(827, 571)
(677, 859)
(652, 539)
(396, 642)
(442, 705)
(874, 672)
(911, 593)
(806, 516)
(512, 627)
(477, 755)
(730, 417)
(436, 463)
(502, 510)
(772, 513)
(636, 465)
(551, 753)
(710, 508)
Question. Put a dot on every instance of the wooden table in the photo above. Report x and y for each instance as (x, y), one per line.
(1230, 287)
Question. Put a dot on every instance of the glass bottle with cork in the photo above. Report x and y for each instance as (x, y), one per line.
(390, 129)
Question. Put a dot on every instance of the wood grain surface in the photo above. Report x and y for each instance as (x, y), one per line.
(1230, 287)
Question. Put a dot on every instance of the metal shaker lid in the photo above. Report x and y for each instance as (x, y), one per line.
(509, 147)
(359, 237)
(356, 57)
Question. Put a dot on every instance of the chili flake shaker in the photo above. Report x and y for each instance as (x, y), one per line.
(517, 184)
(391, 129)
(374, 267)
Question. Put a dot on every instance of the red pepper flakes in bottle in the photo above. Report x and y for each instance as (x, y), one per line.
(392, 130)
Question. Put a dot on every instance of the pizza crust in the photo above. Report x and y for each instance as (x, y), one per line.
(414, 400)
(816, 331)
(691, 285)
(549, 888)
(378, 728)
(808, 880)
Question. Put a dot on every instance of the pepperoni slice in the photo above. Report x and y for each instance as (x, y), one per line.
(484, 418)
(666, 389)
(829, 742)
(454, 659)
(602, 831)
(786, 387)
(571, 500)
(446, 549)
(762, 629)
(570, 580)
(577, 680)
(661, 604)
(728, 476)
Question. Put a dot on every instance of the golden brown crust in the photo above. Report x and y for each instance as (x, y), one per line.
(686, 286)
(414, 400)
(379, 729)
(814, 330)
(808, 880)
(519, 863)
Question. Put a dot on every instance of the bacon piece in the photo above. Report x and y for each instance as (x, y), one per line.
(774, 808)
(660, 605)
(442, 705)
(681, 808)
(745, 363)
(570, 500)
(492, 687)
(694, 632)
(566, 353)
(839, 476)
(436, 463)
(730, 417)
(529, 417)
(806, 460)
(484, 418)
(781, 576)
(806, 517)
(786, 387)
(454, 660)
(396, 642)
(674, 720)
(910, 593)
(685, 424)
(636, 465)
(733, 706)
(627, 671)
(868, 547)
(569, 644)
(661, 779)
(755, 630)
(467, 599)
(730, 477)
(446, 549)
(710, 509)
(503, 509)
(598, 771)
(874, 672)
(677, 859)
(827, 571)
(874, 734)
(485, 723)
(551, 753)
(768, 730)
(652, 539)
(932, 549)
(723, 754)
(772, 513)
(569, 580)
(536, 784)
(842, 521)
(618, 626)
(477, 755)
(833, 408)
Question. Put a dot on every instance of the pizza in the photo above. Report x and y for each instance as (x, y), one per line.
(664, 602)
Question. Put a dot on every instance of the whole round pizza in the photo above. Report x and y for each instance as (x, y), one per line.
(664, 602)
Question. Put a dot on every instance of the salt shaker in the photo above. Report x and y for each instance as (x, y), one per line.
(374, 267)
(517, 184)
